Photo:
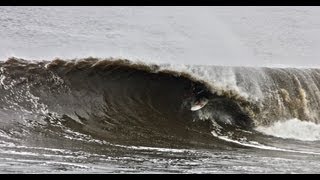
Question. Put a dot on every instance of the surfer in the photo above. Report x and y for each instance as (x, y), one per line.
(200, 96)
(199, 92)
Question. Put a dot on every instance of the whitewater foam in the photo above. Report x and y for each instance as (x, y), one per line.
(293, 129)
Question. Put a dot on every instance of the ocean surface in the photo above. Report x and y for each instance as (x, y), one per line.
(109, 89)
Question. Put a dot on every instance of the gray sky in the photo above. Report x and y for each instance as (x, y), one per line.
(254, 36)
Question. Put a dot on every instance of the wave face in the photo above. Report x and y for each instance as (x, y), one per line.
(132, 103)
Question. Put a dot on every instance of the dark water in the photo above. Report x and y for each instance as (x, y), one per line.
(116, 116)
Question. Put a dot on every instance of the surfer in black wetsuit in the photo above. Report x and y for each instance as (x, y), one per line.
(199, 92)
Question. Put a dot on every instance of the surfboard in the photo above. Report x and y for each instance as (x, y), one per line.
(198, 105)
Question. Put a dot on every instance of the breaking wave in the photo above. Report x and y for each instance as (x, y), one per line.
(137, 104)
